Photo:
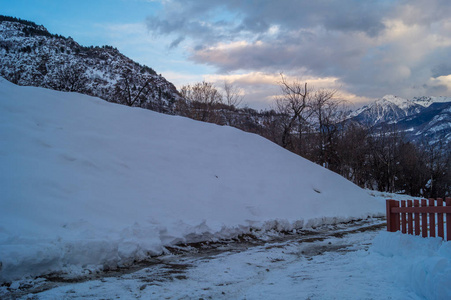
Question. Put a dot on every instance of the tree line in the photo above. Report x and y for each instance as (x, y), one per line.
(314, 124)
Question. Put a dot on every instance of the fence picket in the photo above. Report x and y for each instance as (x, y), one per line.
(403, 218)
(440, 227)
(432, 219)
(424, 220)
(416, 203)
(410, 217)
(448, 220)
(392, 218)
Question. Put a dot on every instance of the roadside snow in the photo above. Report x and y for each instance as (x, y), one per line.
(86, 184)
(422, 264)
(395, 267)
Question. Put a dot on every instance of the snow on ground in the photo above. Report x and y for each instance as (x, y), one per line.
(383, 196)
(363, 265)
(421, 264)
(87, 184)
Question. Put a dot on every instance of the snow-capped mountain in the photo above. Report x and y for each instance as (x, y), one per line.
(387, 109)
(431, 125)
(427, 101)
(30, 55)
(421, 119)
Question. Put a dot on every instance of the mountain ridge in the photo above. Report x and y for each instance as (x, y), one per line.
(421, 118)
(30, 55)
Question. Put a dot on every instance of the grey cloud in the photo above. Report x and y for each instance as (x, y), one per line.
(163, 26)
(326, 53)
(368, 23)
(424, 12)
(437, 90)
(176, 42)
(184, 17)
(254, 25)
(323, 38)
(442, 69)
(338, 55)
(347, 15)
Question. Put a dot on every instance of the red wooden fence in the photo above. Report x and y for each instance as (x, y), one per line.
(409, 217)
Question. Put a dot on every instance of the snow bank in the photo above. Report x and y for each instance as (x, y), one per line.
(424, 264)
(88, 184)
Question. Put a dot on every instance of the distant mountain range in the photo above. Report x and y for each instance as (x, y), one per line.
(421, 119)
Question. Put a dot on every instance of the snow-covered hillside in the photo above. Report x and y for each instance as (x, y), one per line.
(88, 184)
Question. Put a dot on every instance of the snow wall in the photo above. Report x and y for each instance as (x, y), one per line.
(422, 264)
(86, 184)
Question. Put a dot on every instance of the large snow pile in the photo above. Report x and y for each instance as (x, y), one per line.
(423, 264)
(88, 184)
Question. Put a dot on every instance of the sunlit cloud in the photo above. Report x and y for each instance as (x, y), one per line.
(441, 82)
(261, 89)
(362, 49)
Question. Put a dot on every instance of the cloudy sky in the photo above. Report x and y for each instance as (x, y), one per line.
(364, 49)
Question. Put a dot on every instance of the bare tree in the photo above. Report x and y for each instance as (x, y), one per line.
(437, 157)
(232, 95)
(69, 78)
(312, 122)
(328, 116)
(202, 99)
(411, 172)
(132, 90)
(232, 100)
(353, 148)
(295, 105)
(384, 156)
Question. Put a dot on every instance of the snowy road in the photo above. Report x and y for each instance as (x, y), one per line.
(333, 262)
